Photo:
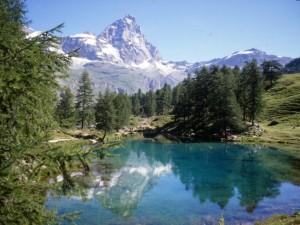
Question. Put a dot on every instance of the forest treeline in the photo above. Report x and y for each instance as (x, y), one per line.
(215, 101)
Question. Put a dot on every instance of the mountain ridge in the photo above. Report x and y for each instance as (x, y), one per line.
(120, 58)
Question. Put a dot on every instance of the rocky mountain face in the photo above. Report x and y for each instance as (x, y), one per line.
(122, 60)
(122, 42)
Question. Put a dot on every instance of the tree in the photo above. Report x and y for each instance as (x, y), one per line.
(183, 108)
(65, 110)
(242, 91)
(150, 104)
(272, 70)
(254, 89)
(105, 112)
(176, 94)
(164, 100)
(122, 105)
(84, 103)
(136, 105)
(28, 86)
(227, 112)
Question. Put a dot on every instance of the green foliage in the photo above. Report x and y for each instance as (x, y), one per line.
(84, 102)
(136, 104)
(184, 103)
(29, 72)
(164, 100)
(282, 102)
(122, 106)
(253, 91)
(150, 104)
(105, 112)
(272, 70)
(208, 102)
(65, 110)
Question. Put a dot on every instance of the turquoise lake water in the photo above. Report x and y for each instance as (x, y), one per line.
(143, 182)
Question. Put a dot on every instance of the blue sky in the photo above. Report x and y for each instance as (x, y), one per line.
(192, 30)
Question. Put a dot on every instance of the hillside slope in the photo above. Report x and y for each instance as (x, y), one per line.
(282, 104)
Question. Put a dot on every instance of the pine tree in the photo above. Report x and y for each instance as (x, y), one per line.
(164, 100)
(65, 110)
(242, 92)
(272, 70)
(105, 112)
(150, 104)
(228, 113)
(28, 86)
(84, 101)
(136, 105)
(254, 91)
(176, 91)
(183, 108)
(122, 106)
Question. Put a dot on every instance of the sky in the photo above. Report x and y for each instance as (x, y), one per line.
(192, 30)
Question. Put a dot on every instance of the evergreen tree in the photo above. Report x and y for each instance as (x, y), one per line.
(84, 103)
(105, 112)
(122, 106)
(65, 110)
(175, 95)
(164, 100)
(228, 113)
(242, 92)
(272, 70)
(28, 86)
(183, 108)
(150, 104)
(136, 105)
(254, 96)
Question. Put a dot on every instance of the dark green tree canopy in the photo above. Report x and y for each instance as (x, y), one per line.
(271, 71)
(65, 110)
(84, 101)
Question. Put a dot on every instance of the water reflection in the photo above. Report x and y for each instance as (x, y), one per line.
(212, 173)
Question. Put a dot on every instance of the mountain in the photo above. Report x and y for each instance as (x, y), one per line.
(122, 42)
(122, 60)
(240, 58)
(293, 66)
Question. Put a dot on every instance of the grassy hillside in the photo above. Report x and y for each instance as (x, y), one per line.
(282, 104)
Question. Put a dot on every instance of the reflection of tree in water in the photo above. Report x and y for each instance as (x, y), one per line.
(214, 172)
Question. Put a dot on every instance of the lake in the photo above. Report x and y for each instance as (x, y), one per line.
(143, 182)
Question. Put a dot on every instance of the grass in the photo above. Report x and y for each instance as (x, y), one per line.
(281, 220)
(281, 104)
(160, 121)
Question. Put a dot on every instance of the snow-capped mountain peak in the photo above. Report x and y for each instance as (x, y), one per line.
(122, 42)
(125, 35)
